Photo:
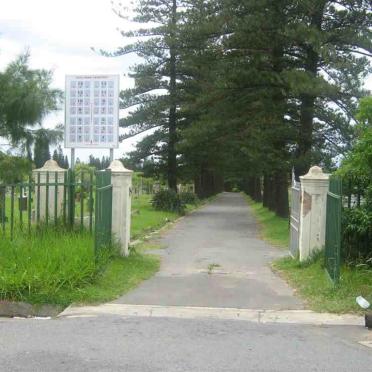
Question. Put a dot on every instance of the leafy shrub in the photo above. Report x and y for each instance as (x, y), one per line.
(356, 170)
(356, 234)
(168, 200)
(188, 197)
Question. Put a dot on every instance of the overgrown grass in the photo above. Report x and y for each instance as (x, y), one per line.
(60, 267)
(315, 288)
(35, 268)
(273, 229)
(145, 218)
(120, 276)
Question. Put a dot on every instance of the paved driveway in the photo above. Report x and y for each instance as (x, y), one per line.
(214, 258)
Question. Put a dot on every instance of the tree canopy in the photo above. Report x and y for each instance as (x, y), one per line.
(25, 98)
(244, 90)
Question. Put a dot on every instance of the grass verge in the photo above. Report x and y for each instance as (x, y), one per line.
(273, 229)
(120, 276)
(145, 218)
(309, 278)
(315, 288)
(60, 267)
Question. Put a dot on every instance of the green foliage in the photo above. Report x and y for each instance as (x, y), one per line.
(235, 89)
(25, 98)
(168, 200)
(357, 235)
(60, 158)
(154, 99)
(99, 164)
(188, 197)
(356, 171)
(14, 169)
(364, 115)
(41, 149)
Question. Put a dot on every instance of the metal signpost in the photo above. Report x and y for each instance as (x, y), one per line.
(92, 113)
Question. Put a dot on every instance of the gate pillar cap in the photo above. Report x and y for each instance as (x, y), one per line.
(117, 166)
(315, 173)
(50, 166)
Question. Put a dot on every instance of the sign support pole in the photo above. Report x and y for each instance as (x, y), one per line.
(72, 158)
(111, 155)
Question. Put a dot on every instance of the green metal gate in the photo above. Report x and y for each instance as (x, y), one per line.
(68, 200)
(333, 229)
(103, 210)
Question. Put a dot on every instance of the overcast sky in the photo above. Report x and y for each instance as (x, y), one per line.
(59, 35)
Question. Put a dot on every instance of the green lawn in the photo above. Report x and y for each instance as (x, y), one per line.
(273, 229)
(313, 285)
(145, 218)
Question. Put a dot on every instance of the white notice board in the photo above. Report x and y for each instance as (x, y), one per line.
(92, 111)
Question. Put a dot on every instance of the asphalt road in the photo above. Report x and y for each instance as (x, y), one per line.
(112, 343)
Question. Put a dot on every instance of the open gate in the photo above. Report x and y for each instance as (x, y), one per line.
(103, 210)
(333, 229)
(295, 217)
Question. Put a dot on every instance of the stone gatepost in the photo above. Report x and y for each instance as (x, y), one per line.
(51, 194)
(314, 188)
(121, 179)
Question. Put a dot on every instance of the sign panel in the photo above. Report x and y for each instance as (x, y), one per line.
(92, 111)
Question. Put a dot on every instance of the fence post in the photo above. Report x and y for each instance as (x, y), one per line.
(49, 181)
(314, 188)
(121, 179)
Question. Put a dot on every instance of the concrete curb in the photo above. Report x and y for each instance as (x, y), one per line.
(305, 317)
(11, 309)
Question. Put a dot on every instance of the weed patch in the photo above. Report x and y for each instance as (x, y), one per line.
(316, 289)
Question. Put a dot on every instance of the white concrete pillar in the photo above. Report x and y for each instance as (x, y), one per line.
(314, 188)
(53, 172)
(121, 179)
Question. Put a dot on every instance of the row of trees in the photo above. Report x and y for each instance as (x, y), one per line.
(244, 90)
(98, 163)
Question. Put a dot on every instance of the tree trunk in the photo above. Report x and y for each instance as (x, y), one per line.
(251, 187)
(198, 186)
(172, 155)
(272, 194)
(257, 190)
(281, 185)
(266, 191)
